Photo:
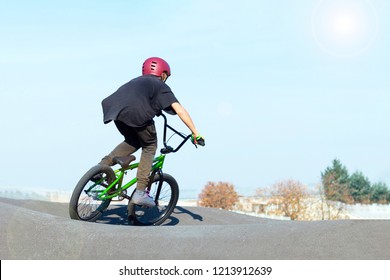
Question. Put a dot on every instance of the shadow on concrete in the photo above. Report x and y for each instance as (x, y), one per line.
(117, 215)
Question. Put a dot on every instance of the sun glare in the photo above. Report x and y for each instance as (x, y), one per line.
(345, 24)
(344, 27)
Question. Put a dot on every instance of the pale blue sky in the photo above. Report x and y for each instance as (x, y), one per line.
(278, 88)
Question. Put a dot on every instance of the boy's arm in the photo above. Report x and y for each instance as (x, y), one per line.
(185, 117)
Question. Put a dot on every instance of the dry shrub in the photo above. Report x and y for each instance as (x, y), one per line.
(218, 195)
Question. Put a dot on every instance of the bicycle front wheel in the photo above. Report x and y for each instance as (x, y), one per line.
(85, 204)
(165, 192)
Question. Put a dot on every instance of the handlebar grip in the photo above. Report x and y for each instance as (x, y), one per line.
(200, 142)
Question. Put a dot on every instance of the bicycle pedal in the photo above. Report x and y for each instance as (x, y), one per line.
(121, 196)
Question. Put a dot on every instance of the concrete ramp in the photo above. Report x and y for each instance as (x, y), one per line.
(42, 230)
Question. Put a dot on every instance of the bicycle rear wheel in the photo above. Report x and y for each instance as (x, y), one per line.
(167, 190)
(84, 204)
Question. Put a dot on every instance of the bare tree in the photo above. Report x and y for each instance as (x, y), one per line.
(292, 199)
(289, 198)
(329, 209)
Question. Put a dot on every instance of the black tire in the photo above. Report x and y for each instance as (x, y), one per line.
(166, 203)
(84, 204)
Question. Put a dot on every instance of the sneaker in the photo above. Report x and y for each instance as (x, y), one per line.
(142, 198)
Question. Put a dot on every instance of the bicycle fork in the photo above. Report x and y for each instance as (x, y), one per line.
(151, 179)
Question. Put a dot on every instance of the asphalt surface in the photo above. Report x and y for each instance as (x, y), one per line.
(43, 230)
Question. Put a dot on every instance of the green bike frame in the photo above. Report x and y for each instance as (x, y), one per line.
(105, 194)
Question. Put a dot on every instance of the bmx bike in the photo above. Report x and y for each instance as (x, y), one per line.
(101, 184)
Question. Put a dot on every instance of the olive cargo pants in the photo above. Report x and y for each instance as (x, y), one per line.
(136, 137)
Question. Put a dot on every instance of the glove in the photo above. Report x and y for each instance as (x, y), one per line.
(199, 140)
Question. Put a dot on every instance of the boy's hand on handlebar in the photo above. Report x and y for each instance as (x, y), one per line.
(198, 140)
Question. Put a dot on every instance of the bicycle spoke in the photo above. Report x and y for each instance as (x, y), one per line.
(85, 202)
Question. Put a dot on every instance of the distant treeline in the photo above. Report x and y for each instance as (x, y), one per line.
(356, 188)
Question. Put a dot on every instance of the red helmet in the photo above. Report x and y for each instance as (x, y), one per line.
(155, 66)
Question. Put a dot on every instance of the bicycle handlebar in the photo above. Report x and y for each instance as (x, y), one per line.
(168, 149)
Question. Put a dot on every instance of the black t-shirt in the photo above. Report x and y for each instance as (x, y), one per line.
(137, 102)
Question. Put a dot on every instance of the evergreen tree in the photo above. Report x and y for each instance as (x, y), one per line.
(380, 193)
(335, 180)
(360, 187)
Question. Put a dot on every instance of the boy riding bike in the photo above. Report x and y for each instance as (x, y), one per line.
(132, 108)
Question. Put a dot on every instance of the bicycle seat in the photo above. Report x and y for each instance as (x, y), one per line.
(124, 161)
